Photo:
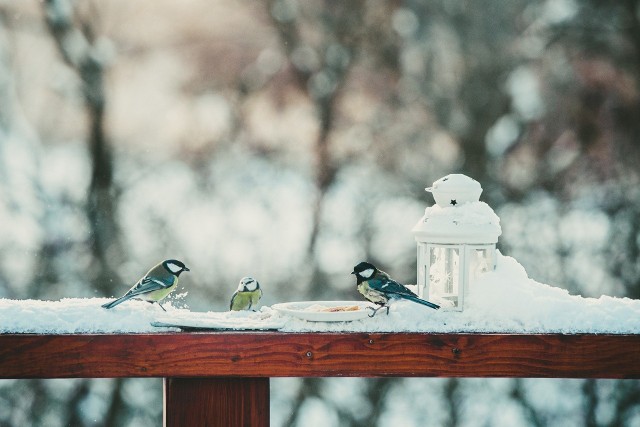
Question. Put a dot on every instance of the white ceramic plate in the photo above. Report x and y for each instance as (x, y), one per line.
(314, 310)
(233, 320)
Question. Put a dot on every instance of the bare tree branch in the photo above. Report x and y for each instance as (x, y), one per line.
(76, 44)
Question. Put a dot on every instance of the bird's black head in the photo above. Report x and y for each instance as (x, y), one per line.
(364, 271)
(174, 266)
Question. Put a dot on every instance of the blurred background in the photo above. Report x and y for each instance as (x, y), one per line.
(289, 140)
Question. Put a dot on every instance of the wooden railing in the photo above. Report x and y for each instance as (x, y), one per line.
(222, 378)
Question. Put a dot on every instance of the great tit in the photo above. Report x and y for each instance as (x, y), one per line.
(247, 295)
(376, 286)
(155, 285)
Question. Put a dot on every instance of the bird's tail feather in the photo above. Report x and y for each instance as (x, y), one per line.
(115, 302)
(421, 301)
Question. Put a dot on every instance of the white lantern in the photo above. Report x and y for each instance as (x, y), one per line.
(456, 241)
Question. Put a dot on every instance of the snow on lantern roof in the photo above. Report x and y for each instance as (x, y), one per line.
(455, 189)
(458, 216)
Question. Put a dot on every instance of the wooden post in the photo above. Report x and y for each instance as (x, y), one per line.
(219, 401)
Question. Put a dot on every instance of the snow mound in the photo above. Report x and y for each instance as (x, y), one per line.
(502, 301)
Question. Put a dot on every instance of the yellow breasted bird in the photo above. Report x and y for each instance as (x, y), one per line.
(155, 285)
(376, 286)
(247, 295)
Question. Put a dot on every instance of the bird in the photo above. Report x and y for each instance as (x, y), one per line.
(155, 285)
(247, 295)
(376, 286)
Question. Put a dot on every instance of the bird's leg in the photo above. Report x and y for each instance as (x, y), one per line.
(161, 306)
(374, 311)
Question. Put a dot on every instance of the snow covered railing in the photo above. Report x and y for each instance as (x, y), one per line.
(222, 378)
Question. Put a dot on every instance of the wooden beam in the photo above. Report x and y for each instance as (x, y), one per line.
(279, 354)
(216, 402)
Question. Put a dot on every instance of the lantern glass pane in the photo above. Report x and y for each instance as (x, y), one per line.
(481, 260)
(444, 274)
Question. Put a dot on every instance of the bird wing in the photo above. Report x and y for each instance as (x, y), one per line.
(390, 287)
(149, 284)
(243, 300)
(233, 300)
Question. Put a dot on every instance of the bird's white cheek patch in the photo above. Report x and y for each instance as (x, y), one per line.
(174, 268)
(367, 273)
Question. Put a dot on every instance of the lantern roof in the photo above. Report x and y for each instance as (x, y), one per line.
(455, 189)
(458, 216)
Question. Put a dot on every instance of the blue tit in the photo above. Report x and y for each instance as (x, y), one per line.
(376, 286)
(247, 295)
(155, 285)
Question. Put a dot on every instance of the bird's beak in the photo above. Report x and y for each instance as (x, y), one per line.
(186, 268)
(353, 272)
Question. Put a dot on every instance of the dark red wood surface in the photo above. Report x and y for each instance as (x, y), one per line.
(279, 354)
(216, 402)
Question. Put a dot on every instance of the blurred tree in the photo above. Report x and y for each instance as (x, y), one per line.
(584, 149)
(320, 64)
(87, 54)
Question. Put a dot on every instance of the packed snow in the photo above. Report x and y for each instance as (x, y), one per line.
(505, 300)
